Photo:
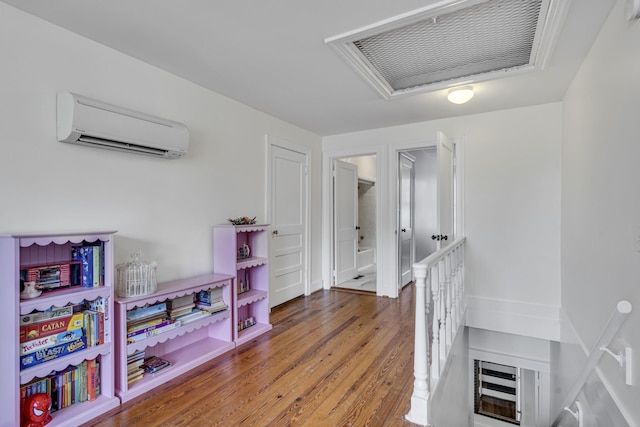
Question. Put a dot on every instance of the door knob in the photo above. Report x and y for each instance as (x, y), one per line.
(404, 230)
(357, 227)
(439, 237)
(275, 232)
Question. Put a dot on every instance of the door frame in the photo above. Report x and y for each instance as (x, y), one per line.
(328, 240)
(386, 194)
(412, 159)
(271, 141)
(458, 173)
(338, 232)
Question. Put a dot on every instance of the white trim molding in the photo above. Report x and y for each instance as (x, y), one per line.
(514, 317)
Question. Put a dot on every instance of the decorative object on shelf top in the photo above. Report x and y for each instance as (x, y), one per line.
(243, 220)
(136, 277)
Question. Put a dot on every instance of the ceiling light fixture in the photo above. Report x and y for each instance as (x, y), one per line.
(460, 95)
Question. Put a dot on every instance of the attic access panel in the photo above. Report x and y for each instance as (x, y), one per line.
(452, 42)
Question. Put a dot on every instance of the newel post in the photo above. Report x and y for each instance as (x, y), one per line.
(420, 396)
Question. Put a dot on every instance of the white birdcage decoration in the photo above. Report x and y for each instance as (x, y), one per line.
(136, 277)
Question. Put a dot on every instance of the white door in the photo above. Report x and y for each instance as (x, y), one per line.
(288, 225)
(345, 208)
(405, 219)
(445, 191)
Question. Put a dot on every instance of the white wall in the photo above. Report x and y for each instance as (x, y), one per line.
(450, 401)
(600, 203)
(511, 198)
(164, 207)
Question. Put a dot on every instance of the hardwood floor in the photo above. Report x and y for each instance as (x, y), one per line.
(332, 359)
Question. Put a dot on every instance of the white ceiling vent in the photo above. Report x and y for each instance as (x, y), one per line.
(453, 42)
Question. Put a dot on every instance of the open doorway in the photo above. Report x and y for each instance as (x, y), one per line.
(425, 199)
(417, 209)
(355, 219)
(385, 190)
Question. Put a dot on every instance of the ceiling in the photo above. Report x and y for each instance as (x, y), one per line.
(272, 56)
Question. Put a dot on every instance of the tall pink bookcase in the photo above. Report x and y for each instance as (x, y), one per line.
(23, 250)
(251, 272)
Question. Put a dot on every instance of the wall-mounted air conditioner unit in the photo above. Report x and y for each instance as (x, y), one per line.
(93, 123)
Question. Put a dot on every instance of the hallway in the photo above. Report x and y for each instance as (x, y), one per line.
(332, 359)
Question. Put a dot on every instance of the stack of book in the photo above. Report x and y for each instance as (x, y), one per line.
(155, 364)
(211, 300)
(135, 370)
(76, 384)
(147, 321)
(58, 331)
(180, 306)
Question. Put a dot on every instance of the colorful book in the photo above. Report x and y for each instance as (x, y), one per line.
(136, 326)
(101, 305)
(52, 313)
(51, 327)
(153, 332)
(149, 328)
(144, 312)
(84, 254)
(154, 364)
(51, 353)
(94, 326)
(93, 374)
(49, 341)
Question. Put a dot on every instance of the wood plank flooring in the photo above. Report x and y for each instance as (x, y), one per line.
(332, 359)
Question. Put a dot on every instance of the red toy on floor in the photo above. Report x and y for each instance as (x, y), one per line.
(35, 412)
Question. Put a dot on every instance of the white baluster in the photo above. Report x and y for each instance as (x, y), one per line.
(459, 283)
(420, 395)
(443, 311)
(449, 299)
(435, 339)
(454, 292)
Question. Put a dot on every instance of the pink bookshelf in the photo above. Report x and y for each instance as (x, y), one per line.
(21, 250)
(186, 346)
(228, 244)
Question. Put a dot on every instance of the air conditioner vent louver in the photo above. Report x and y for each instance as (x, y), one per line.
(451, 42)
(92, 123)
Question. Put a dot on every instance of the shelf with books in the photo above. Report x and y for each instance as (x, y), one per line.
(192, 340)
(177, 331)
(49, 322)
(242, 250)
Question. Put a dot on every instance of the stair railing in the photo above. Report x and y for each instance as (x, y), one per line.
(439, 285)
(617, 318)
